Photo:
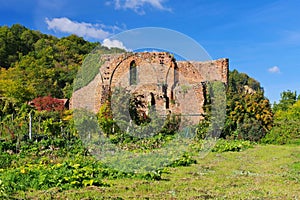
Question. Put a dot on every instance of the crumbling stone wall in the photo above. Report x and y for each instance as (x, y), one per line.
(173, 86)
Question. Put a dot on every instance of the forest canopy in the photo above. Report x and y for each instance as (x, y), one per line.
(34, 64)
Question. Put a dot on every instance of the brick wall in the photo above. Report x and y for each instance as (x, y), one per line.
(178, 84)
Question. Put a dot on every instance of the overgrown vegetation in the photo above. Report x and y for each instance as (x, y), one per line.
(60, 163)
(144, 133)
(262, 172)
(40, 148)
(249, 113)
(287, 119)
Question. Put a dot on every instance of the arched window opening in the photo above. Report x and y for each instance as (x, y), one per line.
(133, 73)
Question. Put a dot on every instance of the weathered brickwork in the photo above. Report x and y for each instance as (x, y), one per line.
(157, 78)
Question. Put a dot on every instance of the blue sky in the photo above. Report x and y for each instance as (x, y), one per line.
(260, 37)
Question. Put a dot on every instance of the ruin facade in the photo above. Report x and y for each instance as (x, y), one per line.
(156, 78)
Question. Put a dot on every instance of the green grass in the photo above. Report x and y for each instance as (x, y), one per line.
(262, 172)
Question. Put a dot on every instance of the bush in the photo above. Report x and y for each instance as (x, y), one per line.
(251, 130)
(9, 145)
(3, 194)
(286, 126)
(231, 145)
(185, 160)
(6, 159)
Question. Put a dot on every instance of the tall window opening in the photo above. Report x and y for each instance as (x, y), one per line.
(133, 73)
(152, 101)
(165, 95)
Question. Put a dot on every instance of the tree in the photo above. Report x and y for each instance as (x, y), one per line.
(288, 98)
(11, 45)
(105, 119)
(48, 103)
(40, 67)
(249, 114)
(286, 126)
(14, 85)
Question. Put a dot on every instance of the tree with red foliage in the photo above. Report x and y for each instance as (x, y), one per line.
(48, 103)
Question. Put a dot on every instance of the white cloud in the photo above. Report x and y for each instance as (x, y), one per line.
(137, 5)
(274, 70)
(81, 29)
(113, 43)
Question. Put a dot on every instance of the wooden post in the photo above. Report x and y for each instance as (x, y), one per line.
(30, 124)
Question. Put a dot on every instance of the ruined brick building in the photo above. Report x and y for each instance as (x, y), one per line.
(156, 78)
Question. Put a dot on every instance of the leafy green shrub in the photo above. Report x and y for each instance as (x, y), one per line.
(202, 128)
(231, 145)
(9, 145)
(6, 159)
(154, 175)
(3, 194)
(276, 137)
(286, 126)
(185, 160)
(250, 129)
